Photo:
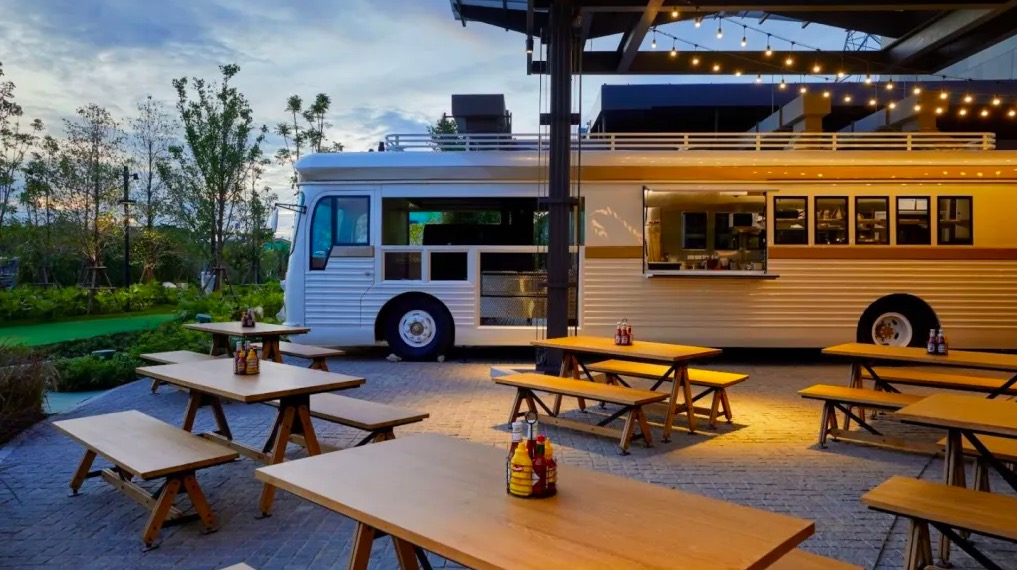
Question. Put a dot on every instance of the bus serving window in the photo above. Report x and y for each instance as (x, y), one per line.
(913, 221)
(790, 219)
(955, 221)
(872, 221)
(341, 221)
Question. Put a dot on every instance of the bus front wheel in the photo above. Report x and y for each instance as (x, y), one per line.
(901, 321)
(418, 329)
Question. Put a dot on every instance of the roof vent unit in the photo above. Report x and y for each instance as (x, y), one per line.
(481, 114)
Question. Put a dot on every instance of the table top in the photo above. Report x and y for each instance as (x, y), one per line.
(639, 349)
(958, 358)
(274, 380)
(258, 330)
(980, 415)
(448, 496)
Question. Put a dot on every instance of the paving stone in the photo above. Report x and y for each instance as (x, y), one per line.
(767, 458)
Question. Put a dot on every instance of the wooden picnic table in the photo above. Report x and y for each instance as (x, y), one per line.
(965, 417)
(447, 496)
(268, 333)
(864, 356)
(577, 348)
(211, 381)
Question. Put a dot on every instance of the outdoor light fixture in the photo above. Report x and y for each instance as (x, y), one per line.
(674, 13)
(985, 112)
(695, 60)
(873, 102)
(916, 90)
(803, 89)
(738, 73)
(868, 79)
(918, 108)
(889, 85)
(939, 110)
(653, 43)
(816, 68)
(716, 67)
(892, 105)
(847, 98)
(996, 101)
(826, 94)
(962, 112)
(841, 74)
(699, 21)
(759, 78)
(720, 31)
(674, 50)
(745, 40)
(529, 46)
(783, 84)
(944, 95)
(1012, 113)
(968, 98)
(769, 51)
(789, 61)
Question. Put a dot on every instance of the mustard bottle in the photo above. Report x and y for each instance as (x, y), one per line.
(521, 473)
(253, 366)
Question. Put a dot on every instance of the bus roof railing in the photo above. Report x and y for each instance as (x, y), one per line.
(908, 141)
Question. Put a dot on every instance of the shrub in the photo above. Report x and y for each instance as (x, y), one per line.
(171, 336)
(86, 346)
(95, 373)
(24, 379)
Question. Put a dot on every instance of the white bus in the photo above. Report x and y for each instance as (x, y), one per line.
(736, 240)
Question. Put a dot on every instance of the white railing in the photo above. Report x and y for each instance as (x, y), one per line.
(698, 141)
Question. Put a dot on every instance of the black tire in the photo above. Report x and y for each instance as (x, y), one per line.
(913, 311)
(423, 311)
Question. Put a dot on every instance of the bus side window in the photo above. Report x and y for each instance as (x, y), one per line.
(352, 220)
(322, 232)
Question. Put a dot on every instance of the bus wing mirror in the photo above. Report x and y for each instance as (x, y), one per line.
(273, 220)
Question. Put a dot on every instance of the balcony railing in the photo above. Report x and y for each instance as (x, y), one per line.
(911, 141)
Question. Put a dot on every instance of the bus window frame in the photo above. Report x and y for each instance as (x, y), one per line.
(805, 198)
(928, 215)
(890, 230)
(847, 219)
(971, 220)
(338, 249)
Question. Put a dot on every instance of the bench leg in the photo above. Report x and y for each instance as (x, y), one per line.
(162, 508)
(824, 422)
(726, 404)
(982, 476)
(81, 473)
(282, 438)
(918, 552)
(319, 364)
(199, 502)
(360, 554)
(155, 385)
(628, 431)
(644, 426)
(715, 408)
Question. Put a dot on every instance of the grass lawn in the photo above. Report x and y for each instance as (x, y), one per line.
(49, 333)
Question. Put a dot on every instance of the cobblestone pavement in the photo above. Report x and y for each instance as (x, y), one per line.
(768, 458)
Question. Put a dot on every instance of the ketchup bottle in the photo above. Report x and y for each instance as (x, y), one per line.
(539, 470)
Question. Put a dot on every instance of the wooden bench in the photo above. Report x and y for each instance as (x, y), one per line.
(631, 401)
(378, 420)
(174, 357)
(1003, 448)
(951, 510)
(715, 382)
(948, 381)
(843, 398)
(801, 560)
(316, 354)
(240, 566)
(144, 447)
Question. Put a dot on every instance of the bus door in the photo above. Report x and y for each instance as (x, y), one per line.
(342, 260)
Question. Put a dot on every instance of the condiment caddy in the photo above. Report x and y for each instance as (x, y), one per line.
(531, 471)
(247, 319)
(245, 360)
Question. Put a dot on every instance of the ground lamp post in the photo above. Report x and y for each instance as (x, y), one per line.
(127, 230)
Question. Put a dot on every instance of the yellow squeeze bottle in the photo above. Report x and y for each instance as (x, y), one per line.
(253, 366)
(521, 473)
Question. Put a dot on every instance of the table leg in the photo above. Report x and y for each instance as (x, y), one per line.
(191, 412)
(953, 467)
(682, 374)
(405, 554)
(221, 345)
(270, 349)
(360, 554)
(196, 400)
(81, 473)
(854, 381)
(678, 383)
(288, 413)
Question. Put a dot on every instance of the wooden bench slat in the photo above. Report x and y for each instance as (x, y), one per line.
(697, 376)
(144, 446)
(176, 357)
(1004, 448)
(913, 377)
(582, 389)
(308, 351)
(801, 560)
(859, 396)
(983, 513)
(360, 414)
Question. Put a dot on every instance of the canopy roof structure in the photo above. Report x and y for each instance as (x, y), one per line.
(918, 36)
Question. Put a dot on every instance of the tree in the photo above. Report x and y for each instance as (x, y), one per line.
(15, 142)
(305, 133)
(445, 134)
(254, 230)
(207, 175)
(37, 198)
(152, 132)
(89, 177)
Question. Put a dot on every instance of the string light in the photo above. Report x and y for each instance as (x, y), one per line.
(944, 95)
(985, 112)
(653, 44)
(745, 40)
(918, 108)
(738, 73)
(699, 21)
(695, 60)
(720, 29)
(826, 94)
(840, 74)
(962, 112)
(768, 52)
(803, 89)
(783, 84)
(868, 79)
(968, 98)
(996, 101)
(789, 61)
(873, 102)
(674, 13)
(892, 105)
(759, 78)
(939, 110)
(1012, 113)
(847, 98)
(917, 90)
(674, 49)
(889, 85)
(716, 67)
(816, 68)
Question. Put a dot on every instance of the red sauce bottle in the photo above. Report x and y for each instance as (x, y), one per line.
(539, 469)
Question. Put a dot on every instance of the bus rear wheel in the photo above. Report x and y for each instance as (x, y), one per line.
(418, 329)
(900, 322)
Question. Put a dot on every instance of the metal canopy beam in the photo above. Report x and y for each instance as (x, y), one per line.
(629, 46)
(660, 62)
(784, 5)
(955, 36)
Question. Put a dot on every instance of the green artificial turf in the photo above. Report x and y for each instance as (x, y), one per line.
(49, 333)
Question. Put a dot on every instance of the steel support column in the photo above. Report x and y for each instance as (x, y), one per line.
(560, 43)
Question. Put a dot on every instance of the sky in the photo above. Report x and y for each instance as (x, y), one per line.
(390, 66)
